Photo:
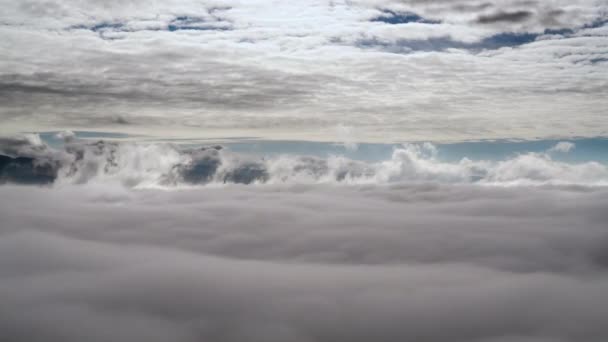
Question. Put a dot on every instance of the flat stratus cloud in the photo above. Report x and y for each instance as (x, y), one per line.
(394, 70)
(304, 263)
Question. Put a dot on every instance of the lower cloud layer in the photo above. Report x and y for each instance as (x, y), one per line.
(287, 263)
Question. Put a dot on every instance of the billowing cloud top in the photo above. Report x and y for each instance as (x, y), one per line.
(27, 160)
(411, 69)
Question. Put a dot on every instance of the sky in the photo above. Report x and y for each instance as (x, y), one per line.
(304, 171)
(379, 70)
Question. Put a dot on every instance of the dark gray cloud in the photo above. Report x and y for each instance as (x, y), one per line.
(304, 263)
(26, 159)
(517, 16)
(443, 43)
(396, 18)
(218, 84)
(25, 170)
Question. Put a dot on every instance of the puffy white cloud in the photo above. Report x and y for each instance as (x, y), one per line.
(66, 136)
(563, 147)
(154, 165)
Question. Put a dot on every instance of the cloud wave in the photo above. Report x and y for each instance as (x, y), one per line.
(143, 165)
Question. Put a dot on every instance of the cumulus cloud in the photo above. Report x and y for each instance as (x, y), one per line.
(428, 70)
(347, 137)
(563, 147)
(66, 136)
(304, 263)
(153, 165)
(22, 145)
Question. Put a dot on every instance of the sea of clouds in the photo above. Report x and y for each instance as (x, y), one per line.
(423, 262)
(153, 242)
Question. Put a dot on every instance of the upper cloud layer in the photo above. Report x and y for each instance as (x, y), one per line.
(432, 70)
